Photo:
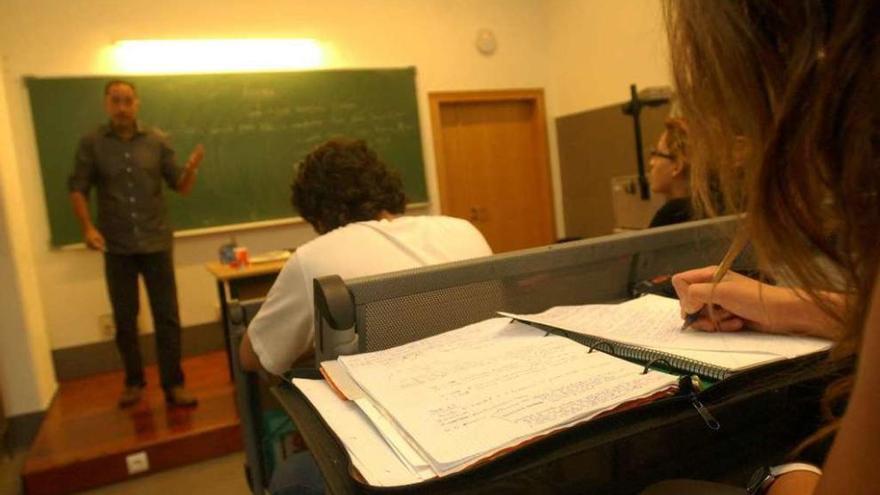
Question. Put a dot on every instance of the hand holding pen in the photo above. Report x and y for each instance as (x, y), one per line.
(741, 303)
(700, 296)
(733, 298)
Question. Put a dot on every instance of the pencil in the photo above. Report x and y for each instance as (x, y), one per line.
(736, 247)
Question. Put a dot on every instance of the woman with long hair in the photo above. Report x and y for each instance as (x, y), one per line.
(796, 83)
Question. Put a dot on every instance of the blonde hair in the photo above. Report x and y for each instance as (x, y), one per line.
(677, 138)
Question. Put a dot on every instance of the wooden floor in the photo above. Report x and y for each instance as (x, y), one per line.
(85, 438)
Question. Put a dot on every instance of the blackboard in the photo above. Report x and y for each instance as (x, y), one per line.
(254, 126)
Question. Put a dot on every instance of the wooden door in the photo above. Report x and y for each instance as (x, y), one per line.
(492, 164)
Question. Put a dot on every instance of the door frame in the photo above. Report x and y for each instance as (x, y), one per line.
(539, 127)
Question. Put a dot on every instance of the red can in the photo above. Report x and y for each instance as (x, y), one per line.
(241, 257)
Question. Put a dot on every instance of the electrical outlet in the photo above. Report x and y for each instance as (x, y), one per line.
(105, 323)
(137, 462)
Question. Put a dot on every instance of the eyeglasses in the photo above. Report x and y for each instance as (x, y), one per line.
(660, 154)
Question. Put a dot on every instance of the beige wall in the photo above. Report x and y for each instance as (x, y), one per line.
(63, 37)
(27, 378)
(583, 52)
(599, 47)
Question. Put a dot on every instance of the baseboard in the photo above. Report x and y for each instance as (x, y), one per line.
(21, 431)
(101, 357)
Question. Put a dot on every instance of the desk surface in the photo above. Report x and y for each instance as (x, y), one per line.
(765, 413)
(329, 455)
(225, 272)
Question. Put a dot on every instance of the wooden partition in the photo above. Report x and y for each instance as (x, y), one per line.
(4, 423)
(595, 146)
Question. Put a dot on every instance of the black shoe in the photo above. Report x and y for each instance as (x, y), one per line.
(178, 397)
(130, 396)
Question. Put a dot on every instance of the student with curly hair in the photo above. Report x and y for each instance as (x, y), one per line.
(356, 203)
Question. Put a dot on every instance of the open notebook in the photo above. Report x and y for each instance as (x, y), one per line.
(439, 405)
(445, 403)
(649, 328)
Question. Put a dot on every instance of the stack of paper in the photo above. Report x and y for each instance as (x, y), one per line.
(442, 404)
(447, 402)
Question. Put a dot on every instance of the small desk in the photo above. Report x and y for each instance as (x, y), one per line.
(250, 282)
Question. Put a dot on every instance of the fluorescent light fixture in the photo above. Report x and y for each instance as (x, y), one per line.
(219, 55)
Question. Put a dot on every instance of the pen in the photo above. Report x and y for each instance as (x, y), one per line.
(690, 319)
(736, 246)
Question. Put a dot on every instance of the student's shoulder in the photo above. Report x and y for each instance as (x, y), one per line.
(342, 235)
(441, 221)
(451, 221)
(291, 272)
(672, 212)
(451, 224)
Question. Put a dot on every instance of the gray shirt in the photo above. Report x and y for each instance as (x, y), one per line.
(132, 215)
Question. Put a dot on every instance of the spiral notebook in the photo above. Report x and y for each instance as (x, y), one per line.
(648, 330)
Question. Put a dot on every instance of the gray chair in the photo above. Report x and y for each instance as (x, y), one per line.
(378, 312)
(247, 395)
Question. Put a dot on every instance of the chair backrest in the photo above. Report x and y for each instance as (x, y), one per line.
(243, 312)
(240, 314)
(386, 310)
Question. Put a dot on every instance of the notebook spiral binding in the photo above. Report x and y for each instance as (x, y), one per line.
(599, 342)
(650, 363)
(649, 356)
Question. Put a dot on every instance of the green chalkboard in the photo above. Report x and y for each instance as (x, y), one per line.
(255, 127)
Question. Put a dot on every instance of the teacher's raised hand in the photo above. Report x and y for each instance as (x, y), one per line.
(195, 158)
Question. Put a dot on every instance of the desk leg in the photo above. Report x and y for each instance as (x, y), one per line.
(224, 315)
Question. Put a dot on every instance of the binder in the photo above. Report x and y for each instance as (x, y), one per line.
(764, 413)
(658, 359)
(746, 355)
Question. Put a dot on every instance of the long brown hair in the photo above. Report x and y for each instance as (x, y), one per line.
(781, 99)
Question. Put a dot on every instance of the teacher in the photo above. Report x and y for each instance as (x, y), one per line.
(127, 162)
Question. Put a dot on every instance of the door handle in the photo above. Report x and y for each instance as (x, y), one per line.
(479, 214)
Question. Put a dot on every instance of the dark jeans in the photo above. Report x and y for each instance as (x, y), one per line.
(121, 272)
(297, 475)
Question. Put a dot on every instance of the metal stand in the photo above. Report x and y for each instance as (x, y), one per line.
(653, 97)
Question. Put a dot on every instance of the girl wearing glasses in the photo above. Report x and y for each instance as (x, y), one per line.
(669, 175)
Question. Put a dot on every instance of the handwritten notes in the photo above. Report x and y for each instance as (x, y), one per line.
(655, 322)
(466, 394)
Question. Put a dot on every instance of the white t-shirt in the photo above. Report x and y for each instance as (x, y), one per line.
(283, 331)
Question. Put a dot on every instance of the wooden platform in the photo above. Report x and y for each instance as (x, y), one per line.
(85, 438)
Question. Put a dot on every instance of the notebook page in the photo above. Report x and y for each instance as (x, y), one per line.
(655, 322)
(731, 361)
(669, 310)
(493, 385)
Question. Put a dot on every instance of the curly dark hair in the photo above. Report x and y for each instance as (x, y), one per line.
(343, 181)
